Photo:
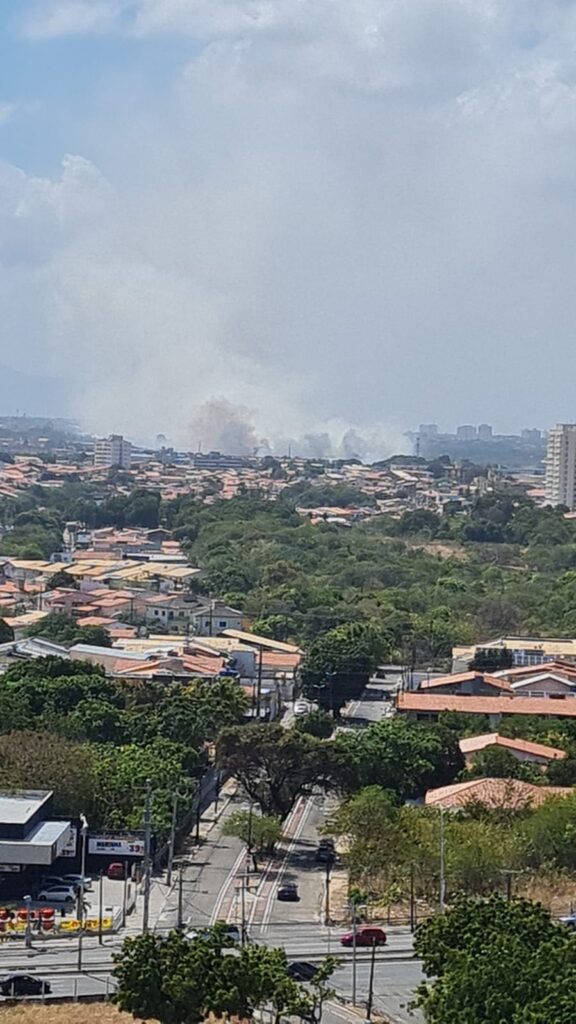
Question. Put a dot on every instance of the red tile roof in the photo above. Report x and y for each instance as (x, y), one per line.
(504, 793)
(465, 677)
(472, 744)
(504, 705)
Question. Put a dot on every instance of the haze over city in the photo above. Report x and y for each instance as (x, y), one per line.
(239, 220)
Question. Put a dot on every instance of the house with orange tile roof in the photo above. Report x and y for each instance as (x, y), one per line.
(522, 750)
(475, 684)
(426, 707)
(501, 794)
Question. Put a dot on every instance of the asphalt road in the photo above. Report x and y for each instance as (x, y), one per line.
(212, 890)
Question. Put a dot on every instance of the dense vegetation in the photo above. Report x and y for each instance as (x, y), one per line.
(177, 981)
(389, 846)
(512, 570)
(95, 741)
(496, 961)
(424, 582)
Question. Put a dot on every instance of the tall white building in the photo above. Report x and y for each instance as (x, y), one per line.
(113, 451)
(561, 465)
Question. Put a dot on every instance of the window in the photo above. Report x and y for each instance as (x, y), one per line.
(222, 624)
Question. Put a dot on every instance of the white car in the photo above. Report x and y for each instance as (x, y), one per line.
(58, 894)
(301, 708)
(76, 881)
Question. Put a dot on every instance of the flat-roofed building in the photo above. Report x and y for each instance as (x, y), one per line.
(28, 835)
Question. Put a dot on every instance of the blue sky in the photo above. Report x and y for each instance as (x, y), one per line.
(289, 220)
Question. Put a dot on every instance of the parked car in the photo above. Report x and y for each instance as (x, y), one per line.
(78, 881)
(301, 970)
(49, 880)
(569, 921)
(288, 893)
(24, 985)
(366, 936)
(115, 870)
(58, 894)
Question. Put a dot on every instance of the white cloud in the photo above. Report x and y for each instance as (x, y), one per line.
(340, 211)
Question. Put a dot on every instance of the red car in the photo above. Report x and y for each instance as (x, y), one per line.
(366, 936)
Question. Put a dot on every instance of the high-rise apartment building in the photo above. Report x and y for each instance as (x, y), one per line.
(113, 451)
(485, 432)
(466, 432)
(560, 463)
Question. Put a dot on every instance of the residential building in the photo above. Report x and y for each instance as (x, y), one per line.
(466, 684)
(525, 650)
(485, 432)
(466, 432)
(111, 451)
(522, 750)
(427, 707)
(501, 794)
(560, 462)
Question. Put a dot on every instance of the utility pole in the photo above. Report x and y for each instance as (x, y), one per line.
(354, 959)
(180, 918)
(442, 863)
(243, 910)
(329, 864)
(371, 983)
(147, 859)
(412, 900)
(80, 909)
(100, 901)
(172, 840)
(259, 685)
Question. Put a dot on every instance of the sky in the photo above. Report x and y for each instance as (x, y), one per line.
(263, 222)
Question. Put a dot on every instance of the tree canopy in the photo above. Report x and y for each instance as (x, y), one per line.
(493, 961)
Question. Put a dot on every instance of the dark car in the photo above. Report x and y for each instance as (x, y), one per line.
(325, 853)
(288, 893)
(115, 870)
(301, 970)
(24, 985)
(367, 936)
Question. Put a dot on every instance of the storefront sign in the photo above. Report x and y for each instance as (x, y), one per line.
(116, 846)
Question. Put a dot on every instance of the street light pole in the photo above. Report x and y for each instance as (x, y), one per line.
(172, 842)
(80, 910)
(354, 958)
(147, 864)
(371, 983)
(442, 863)
(28, 934)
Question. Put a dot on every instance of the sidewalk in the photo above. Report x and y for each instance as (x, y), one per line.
(162, 896)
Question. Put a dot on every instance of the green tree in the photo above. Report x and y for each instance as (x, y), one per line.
(338, 664)
(402, 756)
(496, 961)
(260, 832)
(274, 765)
(182, 982)
(316, 723)
(42, 760)
(6, 632)
(62, 579)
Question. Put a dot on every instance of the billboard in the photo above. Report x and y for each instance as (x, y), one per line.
(116, 845)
